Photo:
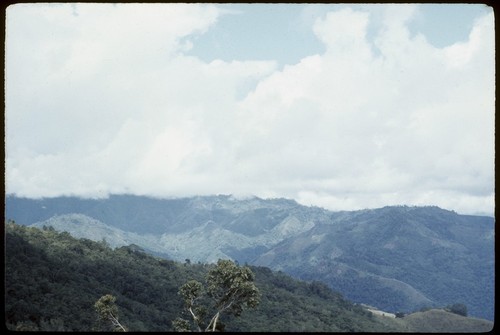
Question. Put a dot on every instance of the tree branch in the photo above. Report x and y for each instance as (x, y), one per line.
(115, 322)
(213, 321)
(195, 318)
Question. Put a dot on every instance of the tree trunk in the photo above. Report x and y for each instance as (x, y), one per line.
(213, 323)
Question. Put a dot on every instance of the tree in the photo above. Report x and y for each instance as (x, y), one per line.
(191, 292)
(229, 287)
(107, 310)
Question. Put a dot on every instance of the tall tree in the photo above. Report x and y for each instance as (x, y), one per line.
(229, 287)
(108, 311)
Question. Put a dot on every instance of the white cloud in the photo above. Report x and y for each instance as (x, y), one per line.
(351, 129)
(102, 98)
(343, 30)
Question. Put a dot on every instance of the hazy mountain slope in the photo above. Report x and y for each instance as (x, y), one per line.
(127, 212)
(82, 226)
(151, 215)
(199, 228)
(395, 258)
(422, 256)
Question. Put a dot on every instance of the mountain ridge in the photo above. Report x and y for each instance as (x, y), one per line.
(146, 290)
(362, 253)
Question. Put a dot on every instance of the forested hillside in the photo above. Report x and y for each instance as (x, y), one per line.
(53, 281)
(396, 258)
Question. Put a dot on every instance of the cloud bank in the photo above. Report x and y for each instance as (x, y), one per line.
(103, 99)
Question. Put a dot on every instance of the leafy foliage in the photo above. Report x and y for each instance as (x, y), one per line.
(52, 278)
(229, 286)
(108, 311)
(232, 287)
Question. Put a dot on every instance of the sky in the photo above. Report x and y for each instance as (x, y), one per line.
(339, 106)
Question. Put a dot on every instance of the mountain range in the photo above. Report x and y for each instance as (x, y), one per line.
(398, 258)
(52, 281)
